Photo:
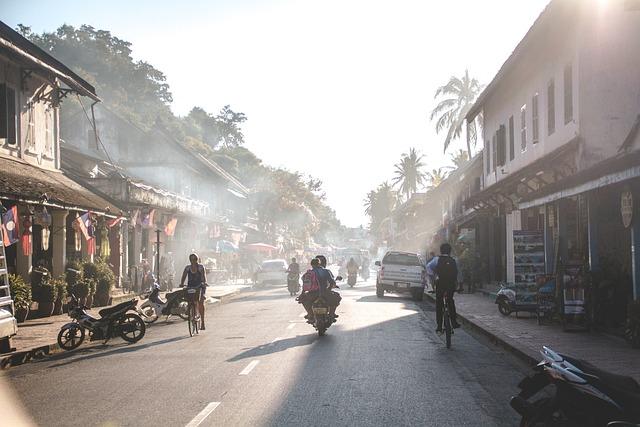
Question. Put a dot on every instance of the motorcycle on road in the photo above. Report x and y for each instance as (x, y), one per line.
(322, 317)
(584, 395)
(293, 283)
(352, 278)
(113, 322)
(154, 307)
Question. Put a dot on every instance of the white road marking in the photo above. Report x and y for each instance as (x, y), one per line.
(203, 414)
(291, 326)
(304, 313)
(275, 341)
(249, 367)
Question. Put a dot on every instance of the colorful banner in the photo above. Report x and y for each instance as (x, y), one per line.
(170, 228)
(82, 223)
(10, 233)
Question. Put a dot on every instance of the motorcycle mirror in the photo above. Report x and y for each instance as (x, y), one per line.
(378, 263)
(339, 278)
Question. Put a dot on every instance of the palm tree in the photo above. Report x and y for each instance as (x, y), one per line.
(409, 173)
(459, 158)
(379, 205)
(436, 177)
(458, 97)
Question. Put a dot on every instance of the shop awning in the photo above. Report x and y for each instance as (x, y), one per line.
(26, 183)
(620, 168)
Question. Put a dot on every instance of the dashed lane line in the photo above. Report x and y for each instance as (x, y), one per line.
(291, 326)
(203, 414)
(303, 314)
(249, 367)
(275, 341)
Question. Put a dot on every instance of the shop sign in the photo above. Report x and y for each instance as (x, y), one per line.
(626, 208)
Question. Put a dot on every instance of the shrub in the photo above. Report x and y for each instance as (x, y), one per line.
(20, 292)
(82, 288)
(60, 285)
(103, 277)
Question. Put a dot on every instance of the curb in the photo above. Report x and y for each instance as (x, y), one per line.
(36, 353)
(495, 339)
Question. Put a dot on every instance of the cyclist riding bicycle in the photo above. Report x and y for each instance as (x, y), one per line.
(197, 276)
(444, 270)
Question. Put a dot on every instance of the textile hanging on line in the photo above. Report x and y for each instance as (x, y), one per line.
(10, 233)
(26, 240)
(105, 248)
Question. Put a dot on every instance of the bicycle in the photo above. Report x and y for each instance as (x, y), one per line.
(446, 317)
(193, 296)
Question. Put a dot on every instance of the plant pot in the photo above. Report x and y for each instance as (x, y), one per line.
(45, 308)
(89, 301)
(101, 300)
(57, 307)
(21, 314)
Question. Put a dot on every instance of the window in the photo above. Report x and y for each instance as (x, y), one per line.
(494, 152)
(8, 117)
(523, 127)
(488, 157)
(501, 137)
(512, 148)
(49, 133)
(568, 94)
(535, 137)
(551, 108)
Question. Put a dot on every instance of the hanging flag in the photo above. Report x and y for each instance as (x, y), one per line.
(115, 221)
(135, 217)
(26, 240)
(82, 223)
(105, 248)
(170, 228)
(10, 226)
(91, 246)
(147, 219)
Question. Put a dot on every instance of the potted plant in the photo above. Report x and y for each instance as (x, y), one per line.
(21, 295)
(46, 298)
(91, 283)
(632, 330)
(104, 280)
(81, 291)
(60, 285)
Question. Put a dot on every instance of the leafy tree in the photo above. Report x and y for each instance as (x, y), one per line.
(408, 173)
(379, 205)
(436, 177)
(459, 158)
(456, 99)
(222, 129)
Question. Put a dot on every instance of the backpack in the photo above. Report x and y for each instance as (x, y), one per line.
(310, 281)
(447, 270)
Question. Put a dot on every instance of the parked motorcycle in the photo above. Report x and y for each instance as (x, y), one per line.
(293, 283)
(584, 394)
(154, 307)
(113, 322)
(352, 278)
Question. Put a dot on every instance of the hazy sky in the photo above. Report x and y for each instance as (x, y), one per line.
(338, 89)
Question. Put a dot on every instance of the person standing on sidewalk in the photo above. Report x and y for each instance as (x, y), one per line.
(445, 271)
(197, 276)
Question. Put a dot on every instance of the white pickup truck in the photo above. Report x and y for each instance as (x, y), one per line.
(402, 272)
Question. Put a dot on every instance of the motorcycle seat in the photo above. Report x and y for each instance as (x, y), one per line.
(110, 310)
(170, 295)
(621, 382)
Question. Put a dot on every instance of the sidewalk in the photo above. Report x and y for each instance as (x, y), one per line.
(524, 337)
(37, 337)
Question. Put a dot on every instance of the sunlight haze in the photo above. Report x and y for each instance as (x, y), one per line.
(350, 81)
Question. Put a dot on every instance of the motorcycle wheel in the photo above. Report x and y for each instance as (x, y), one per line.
(503, 308)
(149, 315)
(541, 416)
(132, 328)
(322, 327)
(68, 338)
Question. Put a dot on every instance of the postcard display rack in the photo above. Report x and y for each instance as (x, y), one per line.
(528, 253)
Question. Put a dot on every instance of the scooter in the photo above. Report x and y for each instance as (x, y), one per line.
(154, 306)
(352, 278)
(114, 321)
(322, 317)
(584, 395)
(293, 283)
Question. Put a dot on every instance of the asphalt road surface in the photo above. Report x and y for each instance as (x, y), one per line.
(259, 364)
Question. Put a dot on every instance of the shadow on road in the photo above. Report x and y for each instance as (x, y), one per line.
(121, 348)
(278, 346)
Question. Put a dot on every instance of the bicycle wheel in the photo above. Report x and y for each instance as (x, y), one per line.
(192, 318)
(447, 327)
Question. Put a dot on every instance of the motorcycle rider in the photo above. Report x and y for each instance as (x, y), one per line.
(294, 267)
(197, 279)
(444, 270)
(352, 266)
(334, 297)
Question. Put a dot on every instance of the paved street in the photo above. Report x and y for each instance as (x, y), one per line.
(258, 363)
